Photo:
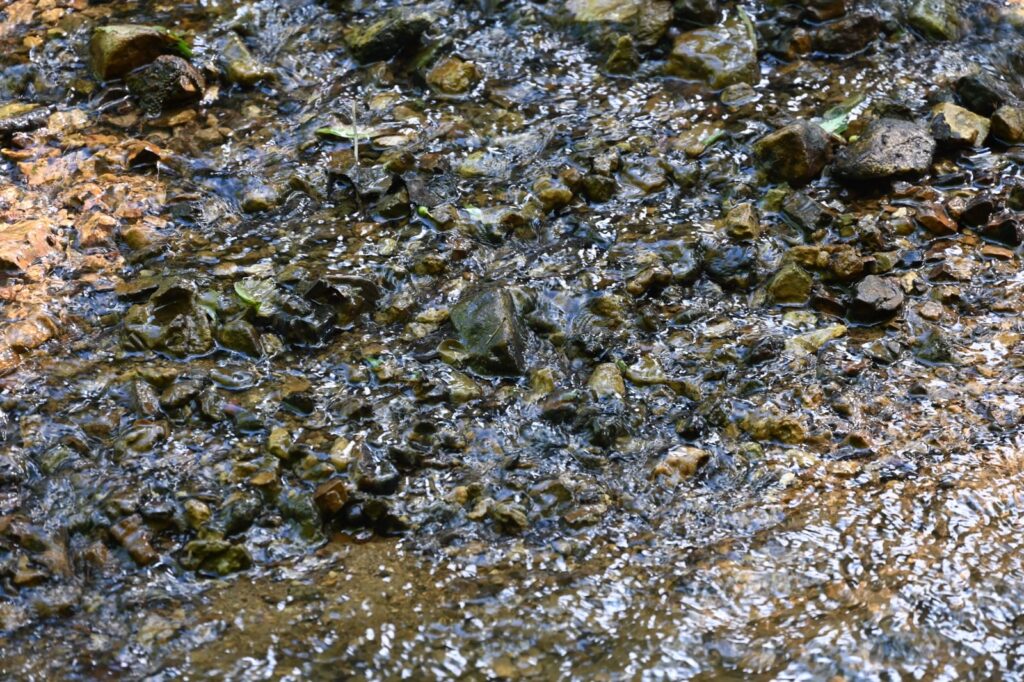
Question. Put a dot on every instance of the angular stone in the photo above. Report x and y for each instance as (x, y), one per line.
(388, 36)
(116, 50)
(742, 223)
(955, 126)
(1008, 124)
(490, 329)
(888, 148)
(791, 284)
(796, 153)
(876, 299)
(720, 55)
(167, 82)
(983, 93)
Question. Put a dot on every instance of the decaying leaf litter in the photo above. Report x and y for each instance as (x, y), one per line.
(510, 339)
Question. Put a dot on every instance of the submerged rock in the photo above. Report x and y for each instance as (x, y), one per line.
(646, 21)
(453, 76)
(848, 34)
(720, 55)
(954, 125)
(17, 117)
(606, 380)
(167, 82)
(490, 329)
(116, 50)
(796, 153)
(742, 223)
(876, 299)
(240, 67)
(396, 32)
(936, 19)
(888, 148)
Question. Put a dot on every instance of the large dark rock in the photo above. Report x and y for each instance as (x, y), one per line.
(116, 50)
(796, 153)
(168, 82)
(383, 39)
(876, 299)
(983, 93)
(848, 34)
(16, 117)
(490, 329)
(888, 148)
(731, 266)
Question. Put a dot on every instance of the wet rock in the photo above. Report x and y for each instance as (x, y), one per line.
(553, 193)
(644, 20)
(16, 117)
(385, 38)
(453, 76)
(133, 535)
(171, 321)
(1005, 227)
(167, 82)
(179, 394)
(731, 266)
(720, 56)
(955, 126)
(791, 285)
(239, 66)
(823, 10)
(932, 345)
(848, 34)
(796, 153)
(888, 148)
(936, 19)
(934, 218)
(1008, 124)
(742, 223)
(116, 50)
(681, 463)
(215, 557)
(812, 341)
(606, 380)
(490, 329)
(697, 12)
(804, 212)
(239, 335)
(649, 281)
(599, 188)
(983, 93)
(373, 472)
(624, 57)
(876, 299)
(331, 496)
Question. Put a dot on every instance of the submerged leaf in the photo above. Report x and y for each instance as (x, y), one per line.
(257, 293)
(349, 132)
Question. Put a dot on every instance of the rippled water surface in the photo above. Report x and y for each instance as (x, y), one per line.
(212, 313)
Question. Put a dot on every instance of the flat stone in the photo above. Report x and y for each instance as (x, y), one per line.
(116, 50)
(720, 55)
(876, 299)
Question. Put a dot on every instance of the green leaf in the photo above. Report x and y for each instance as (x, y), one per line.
(181, 45)
(259, 294)
(836, 119)
(348, 133)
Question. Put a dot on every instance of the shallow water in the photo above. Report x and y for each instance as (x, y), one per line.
(857, 517)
